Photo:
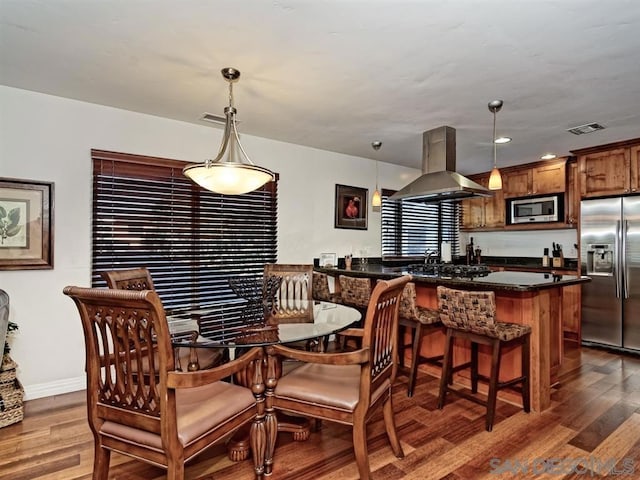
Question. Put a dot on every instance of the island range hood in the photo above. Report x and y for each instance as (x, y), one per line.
(439, 180)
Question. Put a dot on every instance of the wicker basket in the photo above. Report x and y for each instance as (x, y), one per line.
(11, 403)
(7, 370)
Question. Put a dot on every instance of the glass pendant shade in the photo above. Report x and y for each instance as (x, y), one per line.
(376, 199)
(495, 180)
(228, 178)
(232, 172)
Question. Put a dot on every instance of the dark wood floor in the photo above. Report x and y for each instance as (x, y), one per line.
(594, 420)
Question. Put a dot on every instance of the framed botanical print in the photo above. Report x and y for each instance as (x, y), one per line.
(351, 206)
(26, 224)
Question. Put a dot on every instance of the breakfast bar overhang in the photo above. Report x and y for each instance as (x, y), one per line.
(535, 299)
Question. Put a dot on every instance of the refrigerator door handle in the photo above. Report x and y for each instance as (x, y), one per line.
(616, 267)
(625, 274)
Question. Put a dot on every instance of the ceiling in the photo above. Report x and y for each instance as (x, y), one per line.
(337, 75)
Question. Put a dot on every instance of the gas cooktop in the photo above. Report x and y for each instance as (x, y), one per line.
(449, 270)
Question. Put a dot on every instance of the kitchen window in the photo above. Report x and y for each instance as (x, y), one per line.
(410, 228)
(146, 213)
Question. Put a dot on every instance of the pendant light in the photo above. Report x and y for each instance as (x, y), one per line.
(376, 199)
(232, 172)
(495, 180)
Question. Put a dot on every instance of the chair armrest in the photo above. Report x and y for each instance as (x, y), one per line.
(352, 332)
(176, 379)
(356, 357)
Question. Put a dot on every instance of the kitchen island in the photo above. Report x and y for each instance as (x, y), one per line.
(534, 299)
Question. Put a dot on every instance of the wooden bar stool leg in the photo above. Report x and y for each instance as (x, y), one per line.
(493, 383)
(474, 367)
(415, 355)
(446, 368)
(526, 403)
(402, 330)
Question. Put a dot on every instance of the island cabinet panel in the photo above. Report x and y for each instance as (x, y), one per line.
(571, 313)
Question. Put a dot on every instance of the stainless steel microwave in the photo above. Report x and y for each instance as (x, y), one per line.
(535, 209)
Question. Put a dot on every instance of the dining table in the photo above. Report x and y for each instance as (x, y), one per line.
(238, 325)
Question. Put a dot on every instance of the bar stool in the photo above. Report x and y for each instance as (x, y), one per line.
(420, 320)
(355, 292)
(320, 289)
(471, 316)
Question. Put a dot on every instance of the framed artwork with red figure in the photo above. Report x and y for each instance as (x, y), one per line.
(351, 207)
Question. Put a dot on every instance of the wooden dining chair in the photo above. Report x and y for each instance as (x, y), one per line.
(293, 299)
(168, 417)
(187, 358)
(347, 387)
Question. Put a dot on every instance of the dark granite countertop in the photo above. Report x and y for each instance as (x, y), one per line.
(514, 281)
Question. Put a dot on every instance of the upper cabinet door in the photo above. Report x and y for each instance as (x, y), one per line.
(635, 169)
(605, 173)
(550, 178)
(516, 183)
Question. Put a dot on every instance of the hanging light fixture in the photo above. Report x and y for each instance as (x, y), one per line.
(376, 199)
(495, 180)
(228, 173)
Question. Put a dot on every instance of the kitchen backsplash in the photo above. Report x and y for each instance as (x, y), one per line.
(529, 243)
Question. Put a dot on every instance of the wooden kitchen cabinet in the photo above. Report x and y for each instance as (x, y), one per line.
(535, 179)
(572, 197)
(483, 212)
(611, 169)
(635, 168)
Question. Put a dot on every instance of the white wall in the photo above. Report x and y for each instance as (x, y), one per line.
(49, 138)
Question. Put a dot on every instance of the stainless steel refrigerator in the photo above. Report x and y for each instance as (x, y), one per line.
(610, 255)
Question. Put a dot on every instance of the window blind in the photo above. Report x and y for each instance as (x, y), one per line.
(147, 214)
(410, 228)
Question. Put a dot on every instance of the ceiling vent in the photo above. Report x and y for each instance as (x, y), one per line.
(588, 128)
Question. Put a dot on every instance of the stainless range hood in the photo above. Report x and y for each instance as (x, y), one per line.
(439, 180)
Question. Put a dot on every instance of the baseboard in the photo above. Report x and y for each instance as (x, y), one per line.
(31, 392)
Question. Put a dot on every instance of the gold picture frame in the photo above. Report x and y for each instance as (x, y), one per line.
(351, 207)
(26, 224)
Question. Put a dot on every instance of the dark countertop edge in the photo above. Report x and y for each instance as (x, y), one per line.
(453, 281)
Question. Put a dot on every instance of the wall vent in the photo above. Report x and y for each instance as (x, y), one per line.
(588, 128)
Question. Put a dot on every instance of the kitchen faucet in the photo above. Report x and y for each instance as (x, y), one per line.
(429, 256)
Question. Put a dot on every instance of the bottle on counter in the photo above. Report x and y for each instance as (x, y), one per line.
(470, 252)
(545, 258)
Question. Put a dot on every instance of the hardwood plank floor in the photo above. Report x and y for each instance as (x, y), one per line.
(594, 421)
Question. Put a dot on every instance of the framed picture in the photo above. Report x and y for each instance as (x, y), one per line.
(328, 260)
(26, 224)
(351, 207)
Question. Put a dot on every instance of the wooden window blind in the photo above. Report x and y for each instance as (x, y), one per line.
(147, 214)
(410, 228)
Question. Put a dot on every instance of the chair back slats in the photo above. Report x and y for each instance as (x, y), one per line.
(121, 333)
(380, 331)
(292, 298)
